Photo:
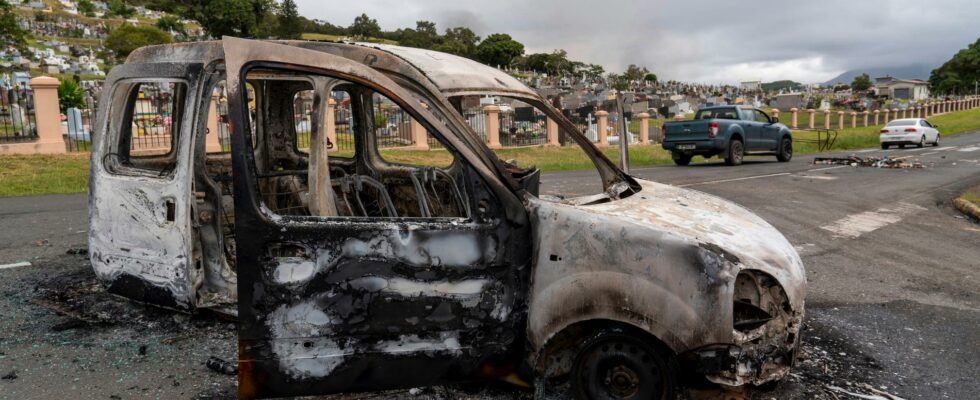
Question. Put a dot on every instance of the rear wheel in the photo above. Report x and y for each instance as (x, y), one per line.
(682, 159)
(884, 146)
(616, 365)
(785, 150)
(736, 152)
(922, 142)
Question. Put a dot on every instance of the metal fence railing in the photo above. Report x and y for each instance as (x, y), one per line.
(17, 120)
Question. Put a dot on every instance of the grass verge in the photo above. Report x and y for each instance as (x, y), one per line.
(37, 175)
(969, 202)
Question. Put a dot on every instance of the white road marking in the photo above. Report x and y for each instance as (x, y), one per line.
(734, 179)
(919, 149)
(968, 149)
(826, 168)
(16, 265)
(929, 153)
(865, 150)
(945, 148)
(855, 225)
(820, 177)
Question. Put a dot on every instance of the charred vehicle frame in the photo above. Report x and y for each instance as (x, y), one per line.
(343, 269)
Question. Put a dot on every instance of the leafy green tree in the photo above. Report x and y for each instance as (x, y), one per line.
(498, 49)
(290, 23)
(365, 27)
(635, 73)
(170, 23)
(594, 71)
(424, 36)
(118, 8)
(460, 41)
(70, 95)
(126, 38)
(959, 75)
(861, 83)
(11, 34)
(86, 8)
(242, 18)
(650, 77)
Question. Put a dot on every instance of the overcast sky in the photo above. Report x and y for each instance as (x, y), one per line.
(700, 40)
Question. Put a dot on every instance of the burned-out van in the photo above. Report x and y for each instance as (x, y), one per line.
(351, 269)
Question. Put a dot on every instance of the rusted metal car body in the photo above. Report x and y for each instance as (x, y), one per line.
(348, 274)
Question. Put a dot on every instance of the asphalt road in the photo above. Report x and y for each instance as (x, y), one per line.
(893, 274)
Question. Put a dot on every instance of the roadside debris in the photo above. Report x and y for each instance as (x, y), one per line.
(221, 366)
(10, 376)
(77, 251)
(876, 394)
(877, 162)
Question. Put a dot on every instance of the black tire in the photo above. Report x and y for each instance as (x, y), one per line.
(885, 146)
(922, 142)
(682, 159)
(735, 153)
(617, 365)
(936, 143)
(901, 146)
(785, 151)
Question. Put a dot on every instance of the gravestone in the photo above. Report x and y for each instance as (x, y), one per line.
(16, 116)
(76, 130)
(591, 132)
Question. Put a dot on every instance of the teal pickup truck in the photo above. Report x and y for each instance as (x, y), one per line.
(729, 131)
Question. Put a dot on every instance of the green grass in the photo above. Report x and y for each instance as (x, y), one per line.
(35, 175)
(43, 174)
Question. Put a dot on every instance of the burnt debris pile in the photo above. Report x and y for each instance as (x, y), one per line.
(871, 161)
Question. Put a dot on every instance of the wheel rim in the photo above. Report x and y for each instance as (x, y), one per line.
(737, 151)
(787, 147)
(620, 369)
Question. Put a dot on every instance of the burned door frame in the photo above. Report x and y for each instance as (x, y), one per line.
(139, 234)
(436, 298)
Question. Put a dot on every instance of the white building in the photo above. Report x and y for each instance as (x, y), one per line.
(909, 89)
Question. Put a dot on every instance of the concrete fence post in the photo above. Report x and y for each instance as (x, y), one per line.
(920, 111)
(885, 115)
(826, 119)
(551, 131)
(603, 123)
(854, 119)
(925, 110)
(877, 112)
(420, 136)
(865, 113)
(895, 113)
(840, 120)
(946, 106)
(47, 114)
(492, 113)
(644, 127)
(810, 113)
(904, 111)
(794, 120)
(775, 113)
(212, 141)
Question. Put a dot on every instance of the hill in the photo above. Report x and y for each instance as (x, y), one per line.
(906, 72)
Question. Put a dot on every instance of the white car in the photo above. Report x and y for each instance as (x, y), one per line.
(915, 131)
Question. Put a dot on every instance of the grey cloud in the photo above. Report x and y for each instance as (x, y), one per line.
(701, 40)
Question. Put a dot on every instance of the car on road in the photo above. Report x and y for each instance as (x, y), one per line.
(909, 131)
(349, 272)
(729, 131)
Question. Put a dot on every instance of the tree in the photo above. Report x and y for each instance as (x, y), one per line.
(460, 41)
(365, 27)
(243, 18)
(126, 38)
(290, 25)
(70, 95)
(11, 34)
(118, 8)
(861, 83)
(170, 23)
(959, 75)
(498, 49)
(635, 73)
(594, 71)
(650, 77)
(86, 8)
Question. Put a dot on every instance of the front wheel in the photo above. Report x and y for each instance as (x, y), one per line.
(616, 365)
(736, 152)
(785, 150)
(682, 159)
(936, 143)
